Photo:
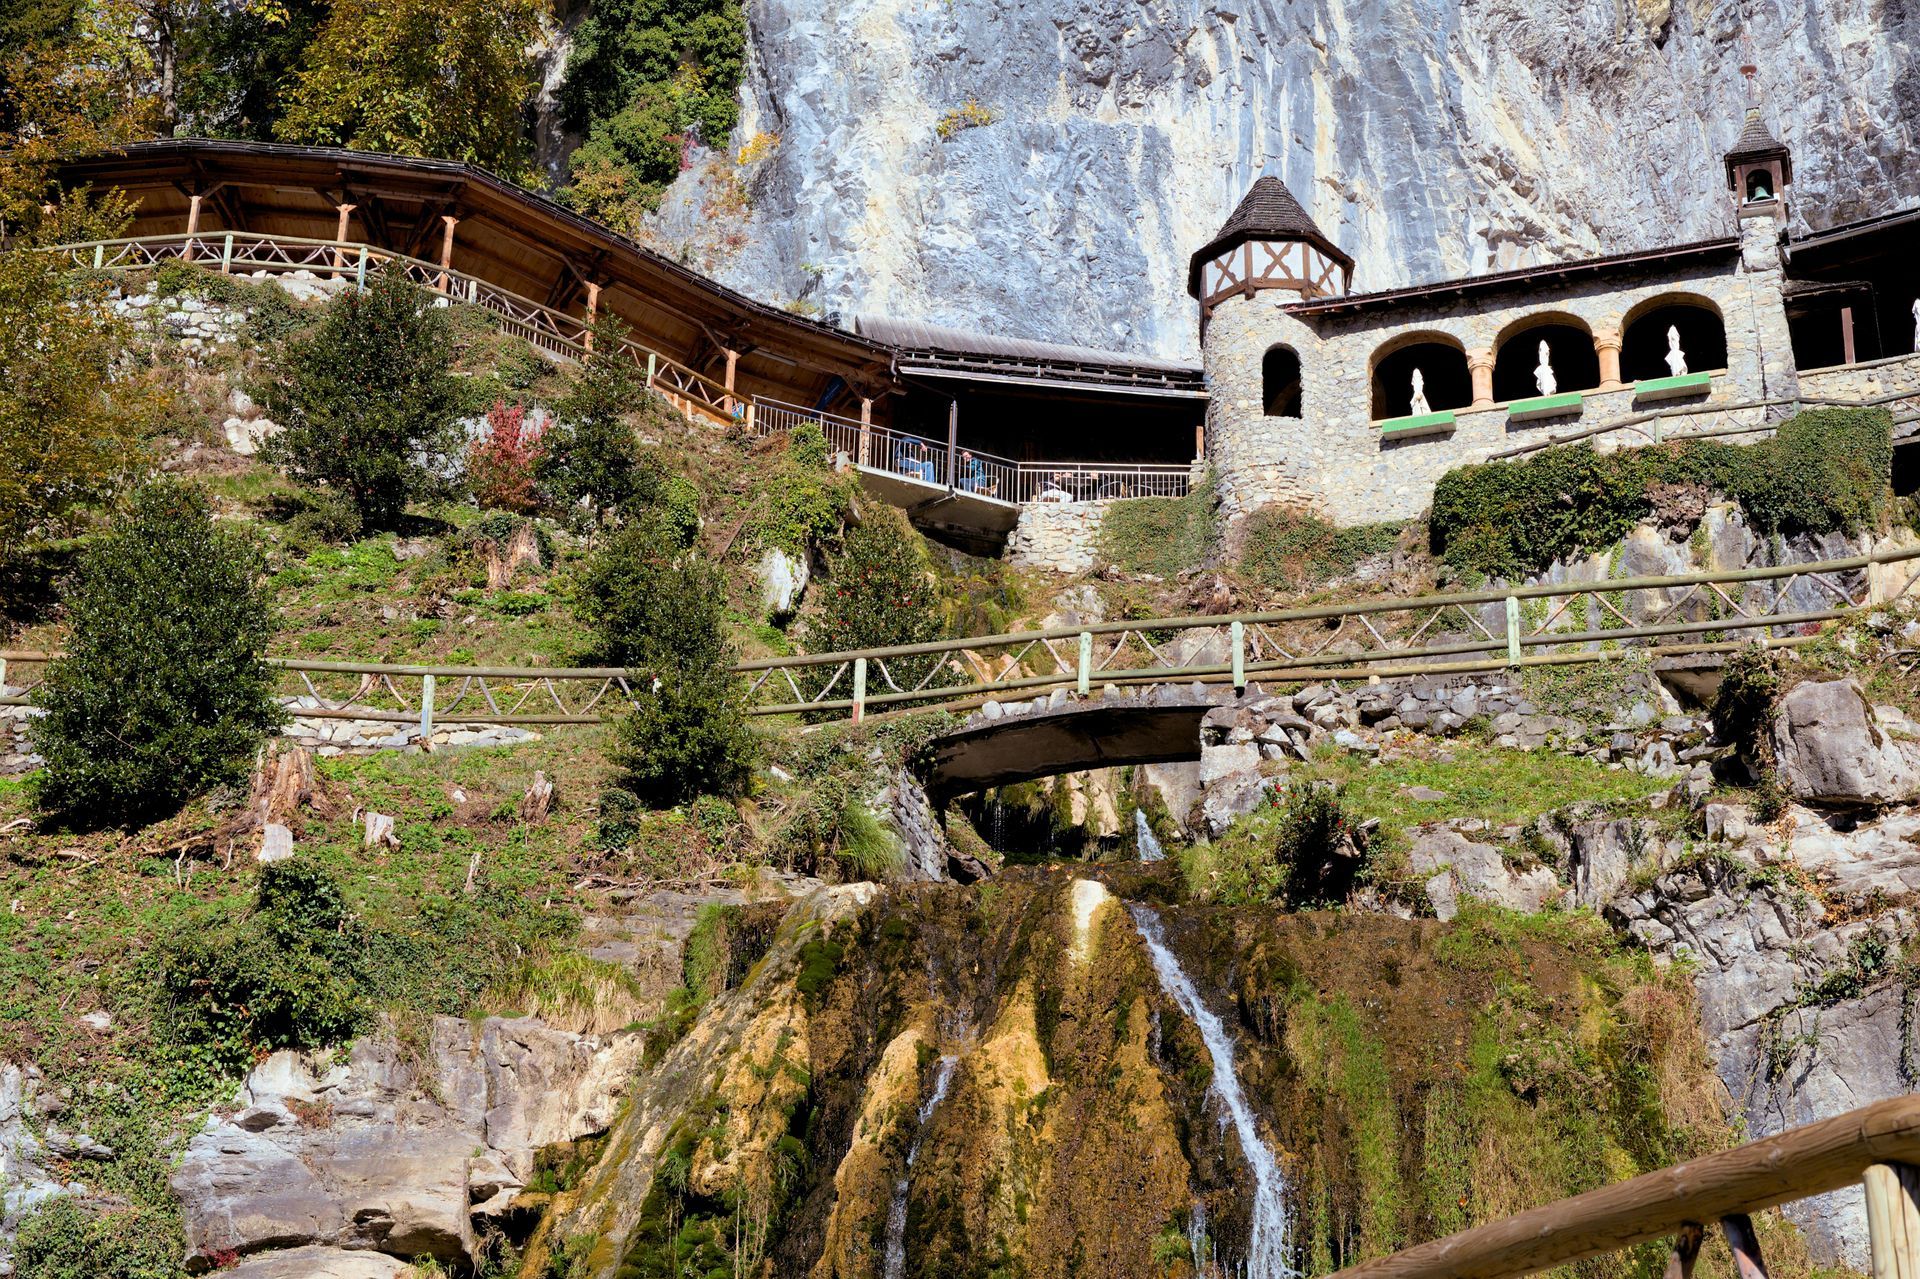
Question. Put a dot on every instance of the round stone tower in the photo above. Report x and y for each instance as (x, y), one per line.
(1264, 371)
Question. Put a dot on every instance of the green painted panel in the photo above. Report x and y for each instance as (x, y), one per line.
(1545, 406)
(1418, 424)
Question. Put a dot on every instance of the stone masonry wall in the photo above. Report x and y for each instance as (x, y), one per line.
(1058, 536)
(1334, 458)
(1862, 381)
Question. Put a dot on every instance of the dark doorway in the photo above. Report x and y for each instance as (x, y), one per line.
(1447, 380)
(1576, 366)
(1280, 382)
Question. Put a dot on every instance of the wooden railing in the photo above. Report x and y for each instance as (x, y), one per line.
(930, 461)
(550, 330)
(1552, 624)
(1876, 1147)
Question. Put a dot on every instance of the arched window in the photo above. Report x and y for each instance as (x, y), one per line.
(1444, 377)
(1644, 343)
(1280, 382)
(1576, 366)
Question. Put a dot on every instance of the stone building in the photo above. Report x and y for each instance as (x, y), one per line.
(1355, 404)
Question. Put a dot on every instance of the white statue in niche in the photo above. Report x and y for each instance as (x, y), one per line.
(1676, 358)
(1420, 404)
(1543, 372)
(1916, 324)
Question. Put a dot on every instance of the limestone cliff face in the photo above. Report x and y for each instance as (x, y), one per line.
(1431, 138)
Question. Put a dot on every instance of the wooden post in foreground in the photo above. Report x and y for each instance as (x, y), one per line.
(1893, 1220)
(1745, 1246)
(733, 362)
(866, 431)
(193, 222)
(340, 235)
(1686, 1250)
(953, 438)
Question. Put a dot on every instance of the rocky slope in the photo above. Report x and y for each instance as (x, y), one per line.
(1429, 137)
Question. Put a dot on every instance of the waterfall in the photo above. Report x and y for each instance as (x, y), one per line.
(896, 1255)
(1150, 850)
(1271, 1243)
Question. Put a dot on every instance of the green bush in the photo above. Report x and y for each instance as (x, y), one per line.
(369, 400)
(661, 611)
(66, 1239)
(1823, 471)
(323, 517)
(290, 972)
(1285, 549)
(162, 691)
(878, 592)
(1164, 536)
(804, 501)
(1303, 850)
(591, 455)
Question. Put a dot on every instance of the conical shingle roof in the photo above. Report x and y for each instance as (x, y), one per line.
(1756, 141)
(1267, 212)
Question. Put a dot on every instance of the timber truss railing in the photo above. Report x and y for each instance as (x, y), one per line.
(943, 464)
(566, 336)
(1746, 417)
(1876, 1148)
(1551, 624)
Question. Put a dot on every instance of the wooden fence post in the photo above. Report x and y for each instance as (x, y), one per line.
(1893, 1220)
(1745, 1246)
(226, 255)
(1086, 662)
(1513, 630)
(652, 361)
(360, 274)
(426, 713)
(1686, 1250)
(99, 256)
(1238, 630)
(859, 689)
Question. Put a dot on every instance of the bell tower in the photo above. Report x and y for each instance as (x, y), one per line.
(1759, 168)
(1268, 243)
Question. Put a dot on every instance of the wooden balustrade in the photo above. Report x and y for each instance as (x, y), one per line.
(1877, 1147)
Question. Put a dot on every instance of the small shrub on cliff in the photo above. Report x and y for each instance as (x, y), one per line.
(1283, 549)
(501, 463)
(1823, 471)
(288, 973)
(661, 610)
(162, 691)
(1159, 535)
(879, 592)
(1743, 706)
(68, 1239)
(804, 501)
(369, 399)
(1303, 850)
(592, 456)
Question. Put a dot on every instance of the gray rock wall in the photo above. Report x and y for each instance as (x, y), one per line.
(1429, 138)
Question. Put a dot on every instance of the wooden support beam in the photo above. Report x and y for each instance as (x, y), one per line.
(1846, 334)
(446, 248)
(1745, 1246)
(1893, 1219)
(340, 234)
(866, 431)
(953, 439)
(193, 222)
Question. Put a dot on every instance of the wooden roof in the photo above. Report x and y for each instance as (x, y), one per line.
(510, 236)
(1267, 212)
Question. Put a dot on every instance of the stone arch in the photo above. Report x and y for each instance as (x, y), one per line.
(1576, 365)
(1442, 361)
(1280, 381)
(1643, 336)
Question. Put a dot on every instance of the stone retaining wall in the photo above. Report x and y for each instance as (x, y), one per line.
(1862, 381)
(1059, 536)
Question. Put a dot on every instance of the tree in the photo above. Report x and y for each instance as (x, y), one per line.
(662, 611)
(501, 463)
(369, 400)
(592, 454)
(878, 592)
(162, 691)
(443, 78)
(70, 430)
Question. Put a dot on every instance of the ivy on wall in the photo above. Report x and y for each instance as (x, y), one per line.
(1823, 471)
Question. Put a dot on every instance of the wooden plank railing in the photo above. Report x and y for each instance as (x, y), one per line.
(1551, 624)
(553, 331)
(1877, 1147)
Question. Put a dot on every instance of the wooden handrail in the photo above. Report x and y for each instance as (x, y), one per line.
(1805, 1161)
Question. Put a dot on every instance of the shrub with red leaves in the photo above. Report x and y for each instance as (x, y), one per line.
(500, 464)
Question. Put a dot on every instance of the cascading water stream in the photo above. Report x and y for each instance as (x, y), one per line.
(1150, 850)
(896, 1253)
(1271, 1241)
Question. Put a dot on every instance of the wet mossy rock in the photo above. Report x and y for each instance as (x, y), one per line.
(1411, 1077)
